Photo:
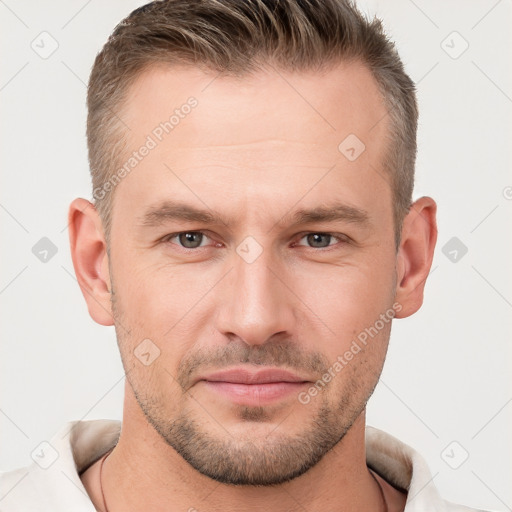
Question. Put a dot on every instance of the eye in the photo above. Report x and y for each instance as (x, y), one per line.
(187, 239)
(319, 240)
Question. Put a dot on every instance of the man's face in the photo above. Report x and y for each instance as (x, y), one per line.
(262, 284)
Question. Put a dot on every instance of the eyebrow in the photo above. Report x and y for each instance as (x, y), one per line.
(176, 211)
(167, 211)
(330, 213)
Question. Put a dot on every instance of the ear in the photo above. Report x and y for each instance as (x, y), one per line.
(415, 254)
(90, 259)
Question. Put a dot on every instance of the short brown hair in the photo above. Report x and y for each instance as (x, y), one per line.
(238, 37)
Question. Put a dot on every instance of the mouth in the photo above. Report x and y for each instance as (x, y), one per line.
(243, 386)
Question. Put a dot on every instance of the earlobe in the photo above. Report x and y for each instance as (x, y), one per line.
(90, 259)
(415, 255)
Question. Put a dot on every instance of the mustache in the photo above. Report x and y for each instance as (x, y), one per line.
(283, 353)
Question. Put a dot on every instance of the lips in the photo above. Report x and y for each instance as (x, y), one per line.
(246, 376)
(244, 386)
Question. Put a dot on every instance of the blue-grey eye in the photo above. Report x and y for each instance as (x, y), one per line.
(319, 240)
(190, 240)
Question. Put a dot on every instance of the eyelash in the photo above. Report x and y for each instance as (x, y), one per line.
(341, 239)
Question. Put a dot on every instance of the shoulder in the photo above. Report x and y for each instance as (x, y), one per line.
(405, 469)
(454, 507)
(52, 481)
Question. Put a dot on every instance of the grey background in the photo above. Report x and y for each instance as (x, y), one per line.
(447, 376)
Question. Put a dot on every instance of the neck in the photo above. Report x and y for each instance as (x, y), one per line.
(143, 472)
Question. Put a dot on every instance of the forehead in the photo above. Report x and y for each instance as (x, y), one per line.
(256, 135)
(330, 102)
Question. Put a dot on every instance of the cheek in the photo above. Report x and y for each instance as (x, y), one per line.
(157, 303)
(151, 297)
(150, 337)
(347, 298)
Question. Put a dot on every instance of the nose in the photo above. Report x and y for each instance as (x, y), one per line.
(255, 303)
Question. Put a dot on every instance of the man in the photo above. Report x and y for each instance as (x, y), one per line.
(252, 237)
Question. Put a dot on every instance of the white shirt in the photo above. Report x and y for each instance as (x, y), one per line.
(52, 482)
